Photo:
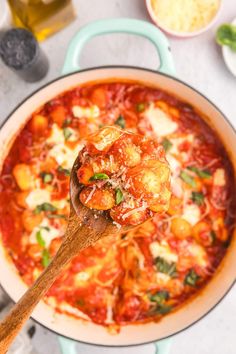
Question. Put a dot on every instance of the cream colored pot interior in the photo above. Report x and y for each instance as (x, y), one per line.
(194, 309)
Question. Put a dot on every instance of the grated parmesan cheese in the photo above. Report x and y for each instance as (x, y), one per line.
(185, 15)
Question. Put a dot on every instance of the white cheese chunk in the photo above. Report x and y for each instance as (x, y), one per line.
(198, 253)
(162, 278)
(81, 278)
(36, 197)
(219, 177)
(191, 213)
(86, 112)
(65, 307)
(47, 231)
(164, 251)
(65, 156)
(56, 136)
(162, 124)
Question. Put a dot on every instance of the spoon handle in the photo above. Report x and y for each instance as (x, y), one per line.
(77, 237)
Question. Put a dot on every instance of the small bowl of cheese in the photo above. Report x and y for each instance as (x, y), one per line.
(184, 18)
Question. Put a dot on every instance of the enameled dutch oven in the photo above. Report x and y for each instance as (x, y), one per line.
(164, 78)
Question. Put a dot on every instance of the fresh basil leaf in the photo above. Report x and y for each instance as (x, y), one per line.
(44, 207)
(163, 309)
(191, 278)
(160, 296)
(140, 107)
(99, 176)
(121, 122)
(65, 171)
(188, 179)
(200, 173)
(66, 122)
(67, 133)
(198, 198)
(47, 177)
(213, 236)
(45, 258)
(167, 145)
(226, 35)
(165, 267)
(57, 216)
(119, 196)
(40, 239)
(80, 302)
(45, 228)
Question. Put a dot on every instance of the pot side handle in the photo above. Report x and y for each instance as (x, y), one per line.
(119, 25)
(68, 346)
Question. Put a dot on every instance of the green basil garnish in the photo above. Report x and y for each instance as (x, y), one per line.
(191, 278)
(45, 258)
(40, 239)
(200, 173)
(44, 207)
(167, 145)
(47, 177)
(159, 297)
(140, 107)
(120, 121)
(163, 309)
(165, 267)
(65, 171)
(188, 179)
(119, 196)
(198, 198)
(57, 216)
(99, 176)
(67, 122)
(67, 133)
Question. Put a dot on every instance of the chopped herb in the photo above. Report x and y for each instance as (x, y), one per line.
(198, 198)
(45, 228)
(200, 173)
(66, 122)
(191, 278)
(188, 179)
(120, 121)
(140, 107)
(44, 207)
(100, 126)
(47, 177)
(40, 239)
(57, 216)
(98, 176)
(160, 296)
(45, 258)
(80, 302)
(67, 133)
(213, 236)
(164, 267)
(163, 309)
(119, 196)
(226, 35)
(65, 171)
(167, 144)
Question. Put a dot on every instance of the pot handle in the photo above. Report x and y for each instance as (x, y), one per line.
(68, 346)
(120, 25)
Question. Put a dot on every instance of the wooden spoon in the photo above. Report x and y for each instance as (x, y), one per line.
(82, 231)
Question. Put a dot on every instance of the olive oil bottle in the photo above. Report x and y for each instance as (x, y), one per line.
(42, 17)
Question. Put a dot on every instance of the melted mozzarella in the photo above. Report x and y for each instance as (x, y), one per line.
(65, 307)
(65, 156)
(162, 278)
(56, 136)
(198, 253)
(81, 278)
(164, 251)
(191, 213)
(86, 112)
(219, 177)
(162, 124)
(47, 231)
(36, 197)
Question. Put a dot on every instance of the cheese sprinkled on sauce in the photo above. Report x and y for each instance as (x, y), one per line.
(185, 15)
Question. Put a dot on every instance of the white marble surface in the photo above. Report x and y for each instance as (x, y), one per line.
(198, 62)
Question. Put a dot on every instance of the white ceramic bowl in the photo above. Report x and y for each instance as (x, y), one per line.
(177, 33)
(230, 56)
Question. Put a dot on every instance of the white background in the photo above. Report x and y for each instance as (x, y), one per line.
(199, 63)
